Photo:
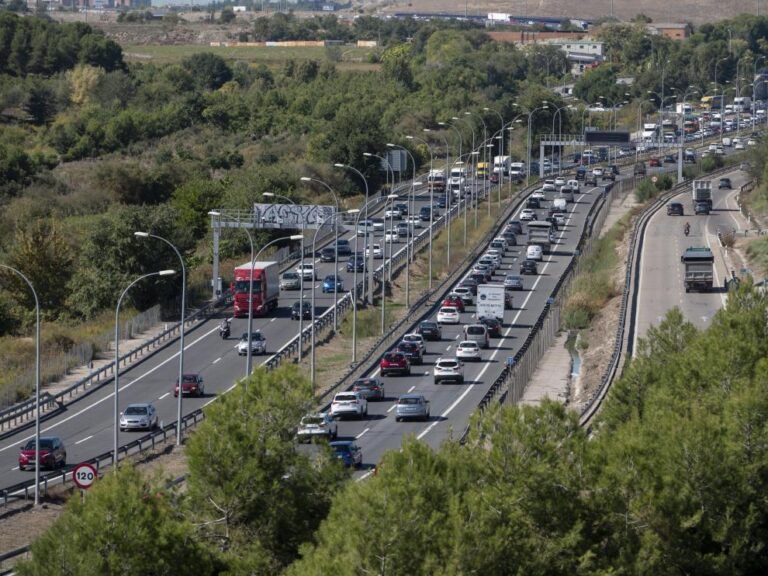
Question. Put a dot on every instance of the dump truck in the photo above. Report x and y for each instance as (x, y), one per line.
(699, 269)
(539, 232)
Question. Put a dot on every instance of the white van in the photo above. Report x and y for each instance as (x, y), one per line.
(534, 252)
(558, 205)
(573, 185)
(726, 141)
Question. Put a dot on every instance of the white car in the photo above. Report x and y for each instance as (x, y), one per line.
(538, 194)
(378, 225)
(465, 294)
(494, 253)
(739, 146)
(534, 252)
(573, 185)
(468, 350)
(549, 186)
(597, 171)
(559, 218)
(349, 404)
(319, 425)
(416, 339)
(751, 142)
(392, 236)
(307, 271)
(527, 215)
(258, 344)
(448, 369)
(495, 258)
(448, 315)
(377, 252)
(415, 221)
(559, 181)
(393, 213)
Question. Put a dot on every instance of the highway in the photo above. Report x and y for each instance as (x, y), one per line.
(661, 273)
(86, 425)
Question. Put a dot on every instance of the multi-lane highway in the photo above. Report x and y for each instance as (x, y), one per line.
(86, 425)
(661, 273)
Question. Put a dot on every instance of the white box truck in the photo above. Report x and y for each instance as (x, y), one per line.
(501, 165)
(490, 301)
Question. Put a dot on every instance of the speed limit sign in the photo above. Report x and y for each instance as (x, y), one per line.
(84, 475)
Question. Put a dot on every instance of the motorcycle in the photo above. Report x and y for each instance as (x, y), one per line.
(224, 331)
(687, 229)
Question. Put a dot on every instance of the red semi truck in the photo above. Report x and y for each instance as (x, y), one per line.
(266, 288)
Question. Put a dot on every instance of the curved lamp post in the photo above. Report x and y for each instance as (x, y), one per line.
(37, 378)
(117, 358)
(431, 202)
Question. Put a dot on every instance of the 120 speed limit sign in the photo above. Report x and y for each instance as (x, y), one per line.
(84, 475)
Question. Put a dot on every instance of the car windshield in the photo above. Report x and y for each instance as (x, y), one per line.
(45, 444)
(136, 411)
(409, 401)
(475, 330)
(330, 278)
(363, 383)
(190, 379)
(346, 397)
(468, 344)
(309, 420)
(290, 275)
(393, 357)
(448, 364)
(448, 310)
(428, 325)
(243, 286)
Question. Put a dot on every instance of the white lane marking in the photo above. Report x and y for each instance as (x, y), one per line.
(109, 396)
(412, 388)
(361, 434)
(84, 439)
(392, 407)
(273, 319)
(366, 475)
(496, 350)
(448, 348)
(218, 360)
(164, 395)
(14, 468)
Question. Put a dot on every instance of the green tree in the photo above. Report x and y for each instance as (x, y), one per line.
(227, 15)
(194, 199)
(126, 525)
(209, 71)
(37, 251)
(246, 474)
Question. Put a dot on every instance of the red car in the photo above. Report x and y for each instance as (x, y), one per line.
(52, 453)
(192, 385)
(395, 362)
(455, 301)
(654, 162)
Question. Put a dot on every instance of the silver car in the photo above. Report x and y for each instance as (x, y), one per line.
(319, 425)
(290, 281)
(138, 417)
(258, 344)
(412, 407)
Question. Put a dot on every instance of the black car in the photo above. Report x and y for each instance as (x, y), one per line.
(479, 277)
(613, 169)
(701, 208)
(412, 351)
(403, 208)
(675, 209)
(590, 180)
(440, 202)
(529, 267)
(430, 331)
(328, 255)
(533, 203)
(515, 226)
(510, 238)
(356, 263)
(424, 213)
(724, 183)
(608, 175)
(306, 310)
(670, 159)
(493, 326)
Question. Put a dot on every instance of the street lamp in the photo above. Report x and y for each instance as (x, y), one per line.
(387, 262)
(409, 236)
(37, 378)
(485, 182)
(117, 358)
(431, 202)
(365, 182)
(301, 276)
(336, 250)
(501, 149)
(544, 106)
(181, 327)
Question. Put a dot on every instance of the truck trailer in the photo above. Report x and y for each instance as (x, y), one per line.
(702, 193)
(539, 232)
(490, 301)
(266, 288)
(699, 269)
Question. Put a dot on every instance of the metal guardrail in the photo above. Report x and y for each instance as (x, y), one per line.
(631, 281)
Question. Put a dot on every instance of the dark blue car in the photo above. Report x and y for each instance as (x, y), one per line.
(356, 263)
(330, 281)
(348, 452)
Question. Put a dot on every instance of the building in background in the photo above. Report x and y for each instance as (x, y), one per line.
(672, 30)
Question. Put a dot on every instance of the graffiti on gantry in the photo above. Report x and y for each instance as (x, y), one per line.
(299, 216)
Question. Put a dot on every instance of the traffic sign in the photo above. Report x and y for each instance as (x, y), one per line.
(84, 475)
(654, 179)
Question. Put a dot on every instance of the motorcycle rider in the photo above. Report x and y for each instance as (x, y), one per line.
(687, 228)
(224, 328)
